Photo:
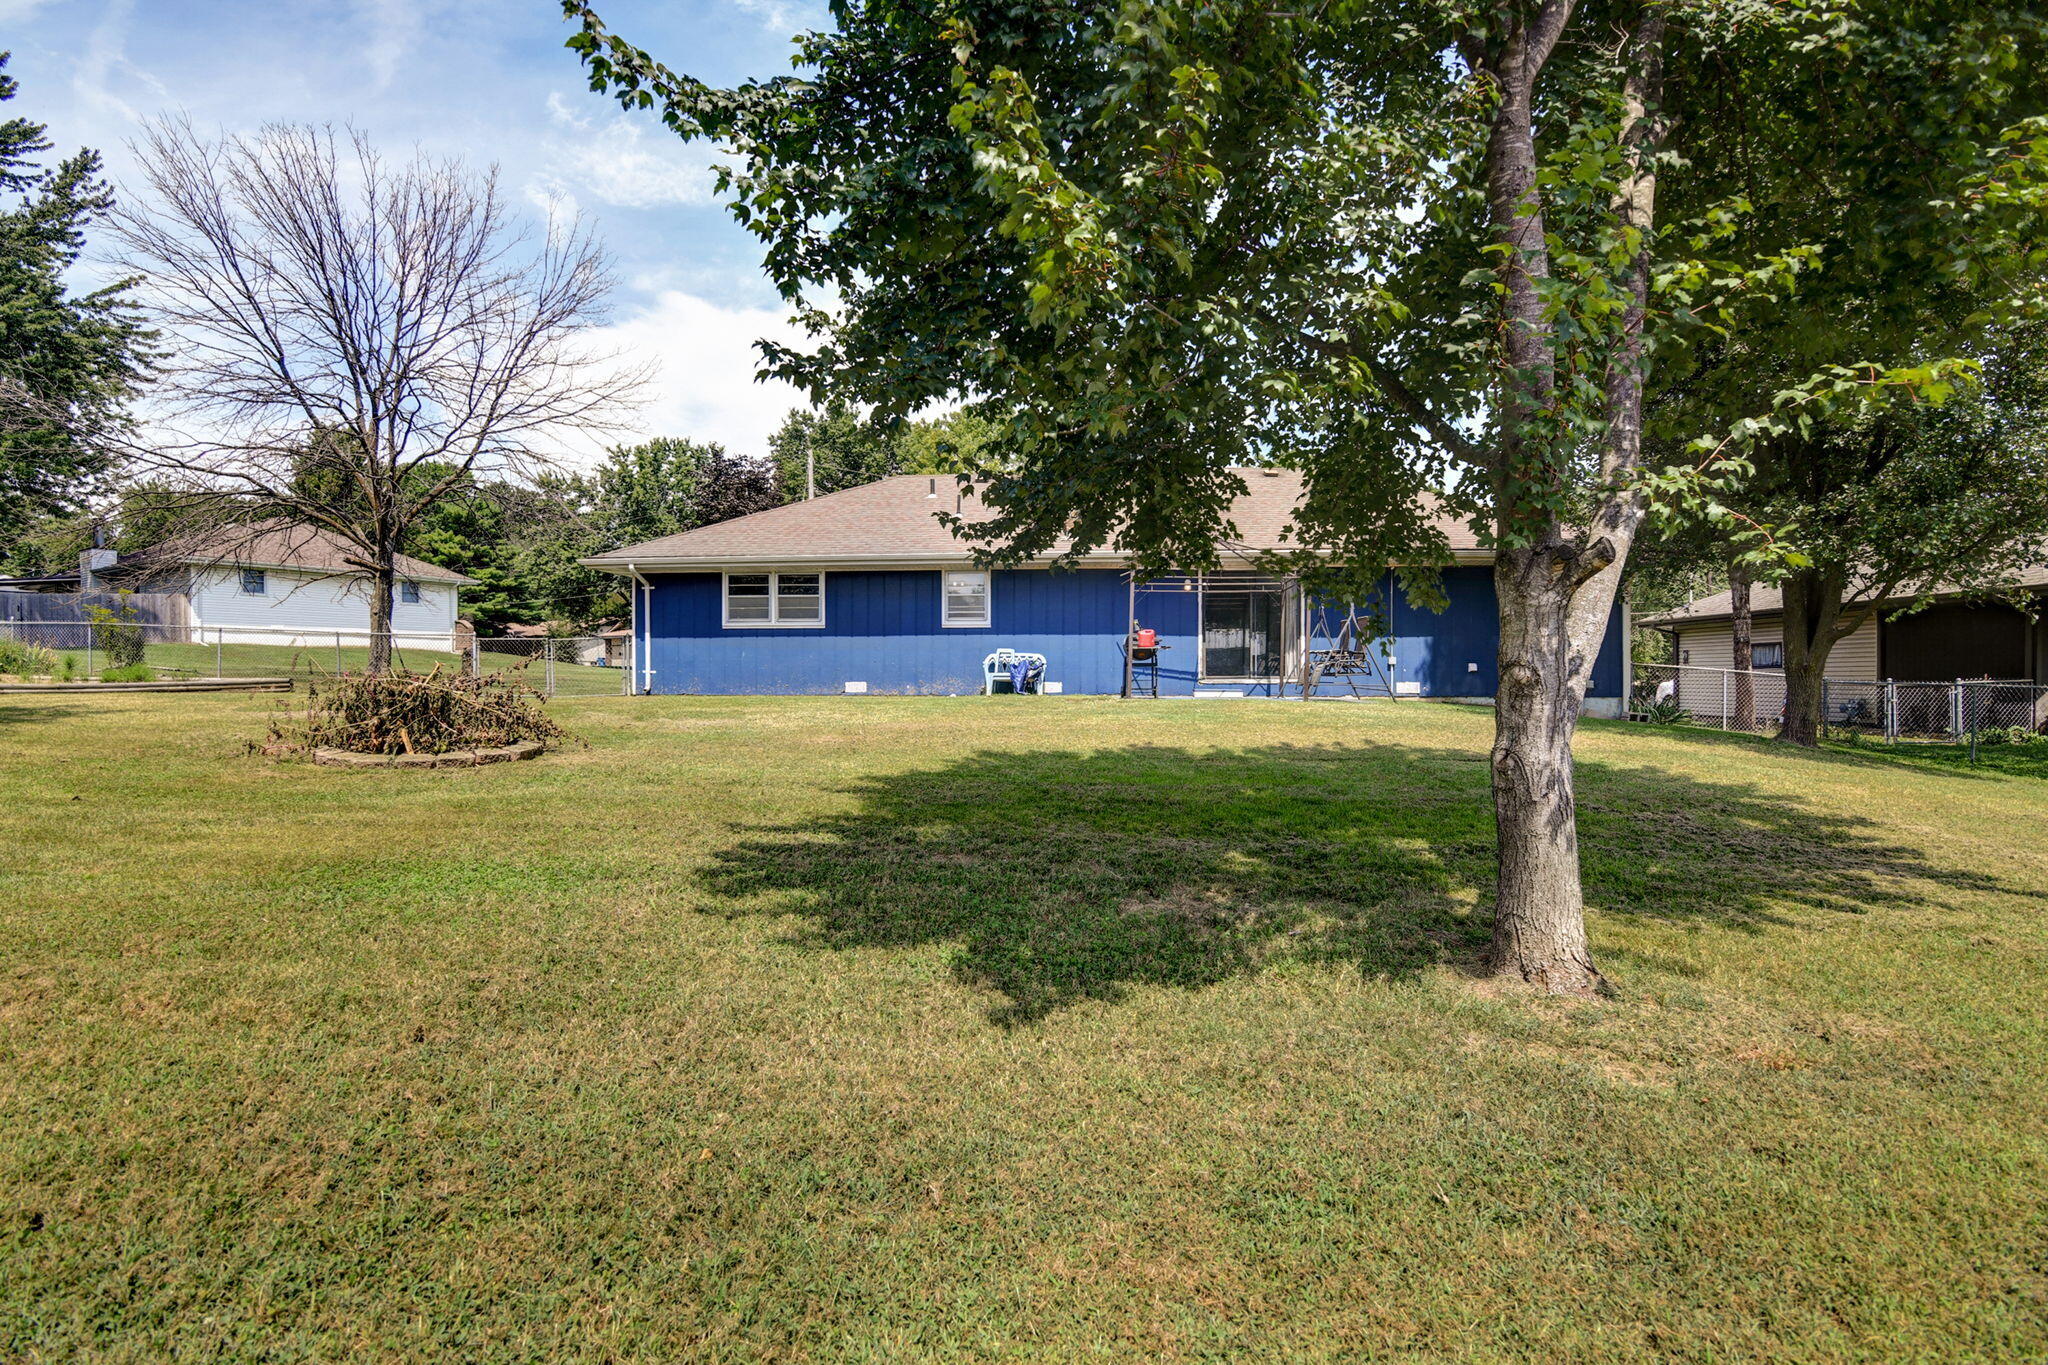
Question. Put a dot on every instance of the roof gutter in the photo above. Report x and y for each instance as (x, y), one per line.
(767, 563)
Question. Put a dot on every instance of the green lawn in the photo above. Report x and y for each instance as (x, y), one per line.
(879, 1029)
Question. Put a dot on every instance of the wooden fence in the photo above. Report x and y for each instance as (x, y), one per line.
(69, 608)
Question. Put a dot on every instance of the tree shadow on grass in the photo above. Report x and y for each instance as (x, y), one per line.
(1933, 758)
(25, 713)
(1065, 877)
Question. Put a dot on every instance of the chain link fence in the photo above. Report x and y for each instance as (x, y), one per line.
(1938, 712)
(559, 666)
(1753, 701)
(71, 651)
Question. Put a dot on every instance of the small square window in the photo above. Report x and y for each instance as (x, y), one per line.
(966, 598)
(252, 582)
(408, 592)
(1770, 655)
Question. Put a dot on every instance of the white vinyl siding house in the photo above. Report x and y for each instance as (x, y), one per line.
(299, 600)
(1712, 645)
(266, 582)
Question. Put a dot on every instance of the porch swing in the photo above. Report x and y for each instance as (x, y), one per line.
(1348, 656)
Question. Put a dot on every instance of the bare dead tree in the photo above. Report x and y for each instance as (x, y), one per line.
(351, 341)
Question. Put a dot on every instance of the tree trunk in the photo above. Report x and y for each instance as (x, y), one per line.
(1539, 928)
(1556, 591)
(1813, 611)
(1742, 625)
(1803, 723)
(382, 583)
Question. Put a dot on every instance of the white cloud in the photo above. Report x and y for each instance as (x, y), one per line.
(105, 57)
(14, 11)
(556, 205)
(617, 160)
(391, 29)
(703, 386)
(786, 16)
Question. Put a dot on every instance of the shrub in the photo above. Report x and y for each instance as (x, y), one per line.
(415, 713)
(1665, 712)
(68, 668)
(118, 633)
(2011, 734)
(25, 660)
(129, 673)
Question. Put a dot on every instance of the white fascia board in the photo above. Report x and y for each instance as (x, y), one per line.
(821, 563)
(726, 564)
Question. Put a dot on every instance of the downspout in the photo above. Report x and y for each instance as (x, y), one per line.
(643, 654)
(1628, 655)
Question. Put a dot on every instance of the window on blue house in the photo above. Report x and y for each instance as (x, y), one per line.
(408, 592)
(252, 582)
(774, 599)
(966, 598)
(798, 600)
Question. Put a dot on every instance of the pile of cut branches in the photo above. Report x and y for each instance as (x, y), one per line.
(414, 713)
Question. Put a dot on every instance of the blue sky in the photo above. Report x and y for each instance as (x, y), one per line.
(487, 80)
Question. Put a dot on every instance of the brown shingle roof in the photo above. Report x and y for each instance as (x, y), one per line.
(895, 519)
(279, 544)
(1769, 601)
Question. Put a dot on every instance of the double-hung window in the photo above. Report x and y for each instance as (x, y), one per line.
(408, 591)
(774, 599)
(966, 598)
(252, 582)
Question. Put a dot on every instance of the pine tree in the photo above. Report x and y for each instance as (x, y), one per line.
(67, 361)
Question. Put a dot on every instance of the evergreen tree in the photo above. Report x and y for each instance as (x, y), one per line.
(67, 361)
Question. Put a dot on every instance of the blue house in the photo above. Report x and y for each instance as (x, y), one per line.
(865, 591)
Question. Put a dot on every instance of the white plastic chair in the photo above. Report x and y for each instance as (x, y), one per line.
(997, 665)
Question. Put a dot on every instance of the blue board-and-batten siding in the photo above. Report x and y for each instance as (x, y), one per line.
(882, 628)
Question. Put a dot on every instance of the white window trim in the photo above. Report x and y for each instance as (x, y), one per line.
(242, 582)
(774, 600)
(988, 600)
(419, 594)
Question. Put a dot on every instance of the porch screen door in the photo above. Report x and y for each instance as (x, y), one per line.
(1240, 633)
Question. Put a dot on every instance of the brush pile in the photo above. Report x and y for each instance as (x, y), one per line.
(414, 713)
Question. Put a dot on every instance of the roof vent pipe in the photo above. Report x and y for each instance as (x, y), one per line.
(932, 489)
